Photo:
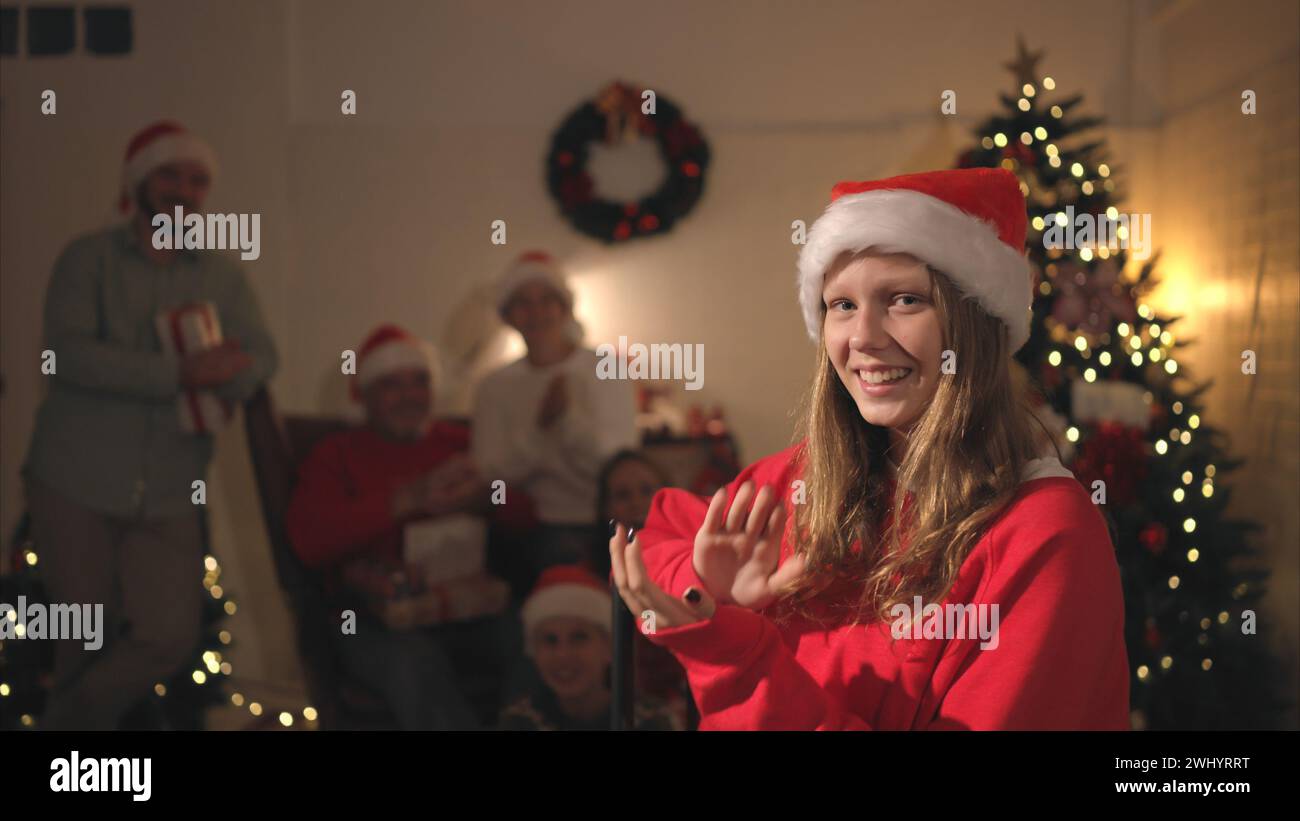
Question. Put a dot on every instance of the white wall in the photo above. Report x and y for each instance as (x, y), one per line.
(385, 216)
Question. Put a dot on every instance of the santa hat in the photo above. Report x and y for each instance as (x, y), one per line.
(530, 266)
(389, 349)
(968, 223)
(156, 145)
(567, 590)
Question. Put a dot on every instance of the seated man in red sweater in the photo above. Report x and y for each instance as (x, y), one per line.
(356, 492)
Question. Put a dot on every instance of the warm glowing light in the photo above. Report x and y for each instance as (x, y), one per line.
(1206, 664)
(987, 142)
(160, 689)
(1123, 329)
(1077, 169)
(1143, 672)
(1023, 104)
(1103, 170)
(1027, 90)
(255, 708)
(1090, 375)
(1162, 447)
(1056, 111)
(1080, 343)
(237, 699)
(1187, 477)
(1189, 525)
(1000, 140)
(1072, 433)
(1049, 83)
(1166, 662)
(1040, 133)
(199, 676)
(1054, 358)
(309, 713)
(4, 689)
(1174, 582)
(286, 719)
(1112, 213)
(1105, 357)
(1178, 494)
(1193, 555)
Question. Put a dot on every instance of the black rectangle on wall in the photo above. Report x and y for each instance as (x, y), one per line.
(51, 30)
(8, 30)
(108, 29)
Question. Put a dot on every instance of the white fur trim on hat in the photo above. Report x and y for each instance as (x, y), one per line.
(396, 355)
(527, 271)
(577, 600)
(965, 248)
(167, 148)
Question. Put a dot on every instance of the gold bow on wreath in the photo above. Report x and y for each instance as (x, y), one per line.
(621, 105)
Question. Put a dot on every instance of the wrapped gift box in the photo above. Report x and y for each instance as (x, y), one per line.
(461, 600)
(401, 598)
(447, 548)
(188, 329)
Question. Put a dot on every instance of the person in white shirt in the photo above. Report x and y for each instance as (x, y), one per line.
(546, 423)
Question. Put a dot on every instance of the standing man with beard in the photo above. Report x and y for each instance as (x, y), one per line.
(110, 468)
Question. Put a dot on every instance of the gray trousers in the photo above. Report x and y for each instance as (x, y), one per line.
(148, 575)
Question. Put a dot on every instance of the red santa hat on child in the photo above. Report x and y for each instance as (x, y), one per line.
(530, 266)
(968, 223)
(536, 266)
(566, 590)
(388, 349)
(156, 145)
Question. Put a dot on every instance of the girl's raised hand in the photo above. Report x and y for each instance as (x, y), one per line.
(736, 554)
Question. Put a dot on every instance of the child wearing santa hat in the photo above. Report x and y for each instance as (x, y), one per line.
(567, 633)
(545, 424)
(804, 594)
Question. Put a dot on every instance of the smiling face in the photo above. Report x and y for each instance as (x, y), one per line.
(184, 183)
(572, 655)
(398, 404)
(538, 312)
(883, 335)
(631, 488)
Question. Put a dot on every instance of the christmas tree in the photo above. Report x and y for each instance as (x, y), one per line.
(176, 704)
(1132, 423)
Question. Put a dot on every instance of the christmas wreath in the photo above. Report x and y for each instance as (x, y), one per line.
(615, 116)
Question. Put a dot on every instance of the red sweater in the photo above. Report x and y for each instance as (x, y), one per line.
(1060, 662)
(342, 504)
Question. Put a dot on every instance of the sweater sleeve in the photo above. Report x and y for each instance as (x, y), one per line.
(241, 320)
(502, 450)
(72, 331)
(1059, 661)
(326, 520)
(741, 672)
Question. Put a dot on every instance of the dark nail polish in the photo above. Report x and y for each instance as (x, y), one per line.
(630, 532)
(613, 528)
(692, 595)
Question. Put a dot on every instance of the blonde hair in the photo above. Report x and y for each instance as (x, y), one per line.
(963, 462)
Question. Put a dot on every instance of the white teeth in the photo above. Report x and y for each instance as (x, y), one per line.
(880, 377)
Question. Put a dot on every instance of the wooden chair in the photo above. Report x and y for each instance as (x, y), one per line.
(276, 447)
